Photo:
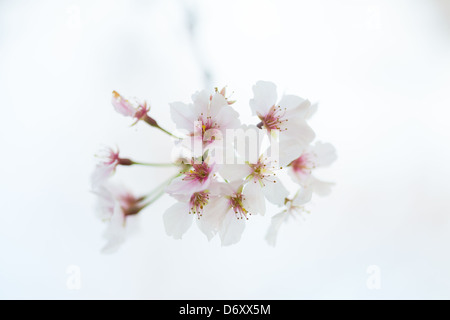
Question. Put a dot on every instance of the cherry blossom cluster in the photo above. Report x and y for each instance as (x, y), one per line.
(224, 171)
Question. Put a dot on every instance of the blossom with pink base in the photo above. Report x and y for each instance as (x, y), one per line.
(128, 109)
(196, 179)
(260, 180)
(231, 210)
(118, 207)
(293, 208)
(196, 206)
(286, 117)
(314, 156)
(109, 160)
(205, 120)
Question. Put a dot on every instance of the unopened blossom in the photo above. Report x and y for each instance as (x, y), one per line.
(178, 217)
(109, 160)
(127, 108)
(314, 156)
(231, 210)
(286, 116)
(118, 207)
(293, 207)
(196, 179)
(206, 120)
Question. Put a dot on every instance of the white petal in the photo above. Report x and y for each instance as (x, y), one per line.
(320, 187)
(228, 118)
(325, 154)
(105, 203)
(289, 150)
(183, 115)
(264, 97)
(187, 187)
(201, 102)
(299, 130)
(312, 110)
(299, 177)
(218, 102)
(231, 229)
(294, 176)
(254, 201)
(235, 172)
(275, 224)
(295, 106)
(302, 197)
(213, 215)
(115, 232)
(275, 192)
(227, 189)
(177, 220)
(101, 174)
(181, 197)
(123, 106)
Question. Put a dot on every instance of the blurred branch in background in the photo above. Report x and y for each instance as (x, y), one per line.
(192, 19)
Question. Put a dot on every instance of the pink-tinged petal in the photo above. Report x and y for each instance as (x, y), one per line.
(183, 116)
(231, 229)
(254, 200)
(122, 105)
(105, 203)
(181, 186)
(101, 173)
(275, 192)
(264, 97)
(300, 177)
(115, 232)
(177, 220)
(275, 224)
(295, 106)
(325, 154)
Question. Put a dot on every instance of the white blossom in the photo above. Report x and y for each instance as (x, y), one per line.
(293, 208)
(314, 156)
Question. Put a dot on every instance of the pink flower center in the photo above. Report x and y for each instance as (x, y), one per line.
(141, 111)
(208, 124)
(198, 201)
(303, 165)
(111, 158)
(198, 173)
(129, 204)
(236, 203)
(274, 119)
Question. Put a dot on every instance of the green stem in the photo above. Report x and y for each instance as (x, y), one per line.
(158, 195)
(162, 185)
(167, 132)
(152, 122)
(154, 164)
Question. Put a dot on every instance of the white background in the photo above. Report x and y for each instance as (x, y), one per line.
(380, 69)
